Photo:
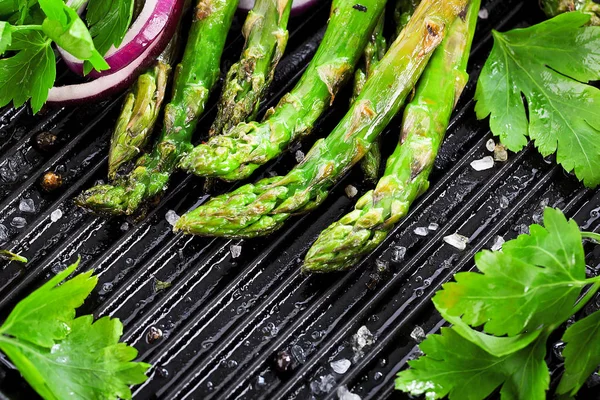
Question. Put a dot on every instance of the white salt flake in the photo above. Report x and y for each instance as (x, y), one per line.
(18, 222)
(433, 226)
(3, 233)
(418, 334)
(172, 217)
(498, 242)
(125, 226)
(504, 202)
(56, 215)
(27, 206)
(456, 240)
(351, 191)
(421, 231)
(486, 162)
(340, 366)
(361, 339)
(322, 385)
(484, 13)
(398, 253)
(344, 394)
(490, 145)
(299, 156)
(235, 250)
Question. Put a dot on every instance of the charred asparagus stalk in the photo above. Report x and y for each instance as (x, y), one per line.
(194, 79)
(240, 151)
(259, 209)
(426, 119)
(266, 36)
(140, 111)
(555, 7)
(374, 51)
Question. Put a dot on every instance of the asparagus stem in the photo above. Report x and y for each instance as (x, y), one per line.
(554, 7)
(426, 119)
(266, 36)
(255, 210)
(140, 111)
(194, 78)
(403, 11)
(239, 152)
(374, 52)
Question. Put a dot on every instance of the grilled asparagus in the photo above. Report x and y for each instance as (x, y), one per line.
(266, 36)
(194, 79)
(259, 209)
(555, 7)
(236, 154)
(425, 122)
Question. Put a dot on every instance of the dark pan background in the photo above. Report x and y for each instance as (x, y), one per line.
(224, 320)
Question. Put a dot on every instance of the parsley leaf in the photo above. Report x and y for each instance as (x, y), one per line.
(30, 73)
(54, 10)
(63, 357)
(5, 36)
(582, 353)
(89, 363)
(550, 64)
(108, 21)
(534, 282)
(455, 367)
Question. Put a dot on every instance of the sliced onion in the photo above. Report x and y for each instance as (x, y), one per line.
(298, 6)
(156, 17)
(107, 85)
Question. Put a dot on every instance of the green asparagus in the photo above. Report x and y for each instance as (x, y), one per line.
(236, 154)
(194, 78)
(140, 111)
(259, 209)
(555, 7)
(374, 51)
(403, 12)
(426, 119)
(266, 36)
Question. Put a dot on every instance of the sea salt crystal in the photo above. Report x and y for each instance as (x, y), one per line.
(486, 162)
(456, 240)
(433, 226)
(484, 13)
(235, 250)
(344, 394)
(504, 202)
(125, 226)
(351, 191)
(19, 222)
(421, 231)
(3, 233)
(418, 334)
(500, 153)
(498, 242)
(398, 253)
(56, 215)
(27, 206)
(361, 339)
(490, 145)
(299, 156)
(340, 366)
(171, 217)
(323, 384)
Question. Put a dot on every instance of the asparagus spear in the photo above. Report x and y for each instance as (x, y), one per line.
(266, 36)
(255, 210)
(555, 7)
(194, 79)
(374, 51)
(140, 111)
(426, 119)
(239, 152)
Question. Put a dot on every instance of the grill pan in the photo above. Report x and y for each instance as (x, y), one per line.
(228, 324)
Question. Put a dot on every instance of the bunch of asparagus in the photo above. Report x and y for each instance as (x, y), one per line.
(261, 208)
(426, 119)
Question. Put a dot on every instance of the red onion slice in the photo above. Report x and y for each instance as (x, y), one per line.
(106, 85)
(298, 6)
(156, 17)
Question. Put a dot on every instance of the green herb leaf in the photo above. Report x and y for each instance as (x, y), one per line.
(45, 315)
(5, 36)
(9, 255)
(550, 64)
(89, 363)
(534, 282)
(455, 367)
(54, 9)
(108, 21)
(28, 74)
(582, 353)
